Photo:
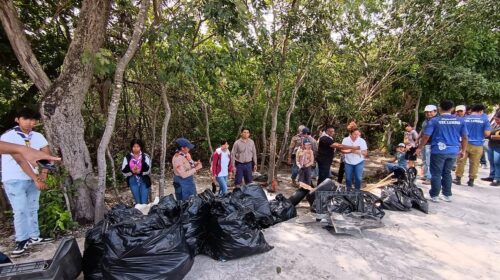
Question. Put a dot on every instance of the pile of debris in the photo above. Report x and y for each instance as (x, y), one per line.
(162, 244)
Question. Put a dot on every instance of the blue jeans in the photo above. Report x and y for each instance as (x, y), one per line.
(243, 170)
(139, 190)
(222, 180)
(426, 158)
(491, 159)
(357, 171)
(24, 198)
(184, 187)
(295, 169)
(441, 165)
(323, 171)
(495, 162)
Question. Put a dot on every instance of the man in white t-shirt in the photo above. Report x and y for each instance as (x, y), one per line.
(22, 182)
(354, 159)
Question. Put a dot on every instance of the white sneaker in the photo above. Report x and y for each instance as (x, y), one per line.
(38, 240)
(435, 199)
(445, 198)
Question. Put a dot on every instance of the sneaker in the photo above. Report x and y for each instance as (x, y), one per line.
(487, 179)
(38, 240)
(457, 181)
(470, 183)
(435, 199)
(21, 247)
(445, 198)
(495, 184)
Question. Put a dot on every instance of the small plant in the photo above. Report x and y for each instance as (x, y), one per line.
(53, 218)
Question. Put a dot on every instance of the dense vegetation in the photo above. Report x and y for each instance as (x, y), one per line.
(204, 69)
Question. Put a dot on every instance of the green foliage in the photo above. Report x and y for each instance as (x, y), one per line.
(53, 217)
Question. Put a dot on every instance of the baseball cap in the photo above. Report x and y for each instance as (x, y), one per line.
(460, 108)
(306, 131)
(183, 142)
(306, 142)
(401, 145)
(430, 108)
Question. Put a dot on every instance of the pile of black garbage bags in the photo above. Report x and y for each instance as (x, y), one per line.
(162, 244)
(404, 194)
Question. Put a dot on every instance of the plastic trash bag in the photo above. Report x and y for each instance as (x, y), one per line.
(4, 258)
(195, 216)
(145, 249)
(92, 255)
(168, 208)
(233, 231)
(298, 196)
(282, 209)
(394, 199)
(326, 185)
(253, 197)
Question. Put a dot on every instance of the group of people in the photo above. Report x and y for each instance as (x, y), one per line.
(448, 139)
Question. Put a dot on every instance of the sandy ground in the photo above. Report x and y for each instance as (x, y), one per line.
(458, 240)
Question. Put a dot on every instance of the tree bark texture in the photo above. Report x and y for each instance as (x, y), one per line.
(63, 98)
(113, 108)
(264, 140)
(164, 133)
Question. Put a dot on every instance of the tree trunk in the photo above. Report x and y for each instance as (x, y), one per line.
(113, 174)
(415, 123)
(264, 140)
(164, 133)
(113, 108)
(63, 99)
(204, 106)
(153, 141)
(298, 83)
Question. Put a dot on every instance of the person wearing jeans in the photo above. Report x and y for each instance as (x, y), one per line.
(244, 158)
(430, 112)
(184, 169)
(295, 143)
(449, 138)
(221, 166)
(136, 167)
(354, 159)
(494, 147)
(22, 182)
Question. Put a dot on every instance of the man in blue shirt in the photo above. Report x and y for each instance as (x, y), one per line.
(449, 139)
(478, 127)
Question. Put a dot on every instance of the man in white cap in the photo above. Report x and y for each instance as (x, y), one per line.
(430, 112)
(460, 111)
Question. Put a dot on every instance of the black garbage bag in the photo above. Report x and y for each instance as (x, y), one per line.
(298, 196)
(282, 209)
(145, 249)
(168, 208)
(418, 200)
(394, 199)
(195, 217)
(253, 197)
(4, 258)
(233, 231)
(326, 185)
(122, 212)
(94, 249)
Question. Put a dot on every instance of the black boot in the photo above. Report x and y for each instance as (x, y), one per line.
(495, 184)
(457, 181)
(470, 183)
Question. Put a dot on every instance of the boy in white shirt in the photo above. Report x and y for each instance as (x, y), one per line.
(22, 181)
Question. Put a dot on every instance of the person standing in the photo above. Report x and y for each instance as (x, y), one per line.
(244, 158)
(221, 166)
(449, 138)
(136, 167)
(430, 112)
(410, 139)
(23, 182)
(184, 169)
(305, 161)
(354, 159)
(494, 153)
(326, 152)
(478, 127)
(295, 144)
